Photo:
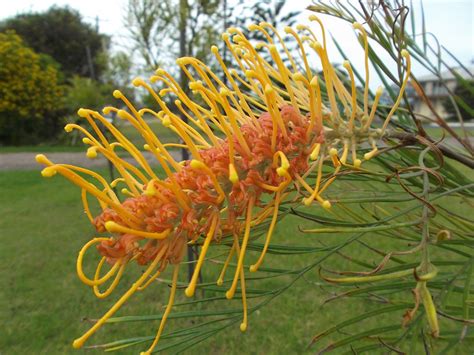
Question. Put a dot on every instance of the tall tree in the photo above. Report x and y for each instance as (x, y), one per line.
(61, 33)
(162, 30)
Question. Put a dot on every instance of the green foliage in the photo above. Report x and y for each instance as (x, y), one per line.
(62, 34)
(85, 92)
(464, 98)
(31, 96)
(148, 20)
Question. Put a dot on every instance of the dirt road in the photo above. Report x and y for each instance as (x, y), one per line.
(26, 161)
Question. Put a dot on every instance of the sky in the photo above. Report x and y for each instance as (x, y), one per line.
(452, 21)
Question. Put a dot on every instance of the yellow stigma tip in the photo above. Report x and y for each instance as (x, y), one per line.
(318, 46)
(160, 72)
(233, 176)
(333, 151)
(405, 53)
(196, 164)
(86, 140)
(357, 26)
(243, 327)
(287, 29)
(346, 64)
(307, 201)
(137, 81)
(91, 153)
(314, 81)
(357, 163)
(117, 94)
(252, 27)
(82, 112)
(229, 295)
(219, 282)
(298, 77)
(253, 268)
(281, 171)
(224, 91)
(146, 147)
(166, 121)
(189, 292)
(48, 172)
(68, 128)
(269, 89)
(41, 158)
(326, 204)
(225, 36)
(106, 110)
(77, 344)
(122, 114)
(110, 226)
(379, 91)
(214, 49)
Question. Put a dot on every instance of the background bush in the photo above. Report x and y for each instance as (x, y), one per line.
(30, 93)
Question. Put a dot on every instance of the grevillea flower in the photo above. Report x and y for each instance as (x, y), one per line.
(264, 131)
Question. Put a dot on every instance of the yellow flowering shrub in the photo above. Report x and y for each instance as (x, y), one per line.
(30, 93)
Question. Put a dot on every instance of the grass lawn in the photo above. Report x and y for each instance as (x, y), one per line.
(42, 302)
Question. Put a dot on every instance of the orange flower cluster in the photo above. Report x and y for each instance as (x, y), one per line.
(268, 128)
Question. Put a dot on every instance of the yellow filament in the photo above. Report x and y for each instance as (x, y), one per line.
(255, 266)
(315, 152)
(230, 293)
(243, 325)
(284, 75)
(195, 164)
(113, 227)
(233, 122)
(169, 306)
(353, 94)
(237, 91)
(359, 27)
(405, 55)
(287, 52)
(220, 279)
(192, 284)
(114, 283)
(80, 257)
(85, 203)
(303, 52)
(328, 77)
(92, 189)
(319, 116)
(149, 281)
(79, 342)
(378, 94)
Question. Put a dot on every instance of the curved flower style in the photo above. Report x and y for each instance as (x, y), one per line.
(266, 130)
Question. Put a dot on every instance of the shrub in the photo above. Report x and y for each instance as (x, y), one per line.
(30, 93)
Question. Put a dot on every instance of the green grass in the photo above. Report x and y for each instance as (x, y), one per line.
(42, 302)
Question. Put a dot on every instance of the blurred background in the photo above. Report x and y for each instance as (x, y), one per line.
(58, 56)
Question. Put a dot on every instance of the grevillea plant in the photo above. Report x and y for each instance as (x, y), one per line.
(267, 139)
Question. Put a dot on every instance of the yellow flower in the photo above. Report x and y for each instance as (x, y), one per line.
(274, 128)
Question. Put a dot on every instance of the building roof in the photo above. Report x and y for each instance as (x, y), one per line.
(448, 75)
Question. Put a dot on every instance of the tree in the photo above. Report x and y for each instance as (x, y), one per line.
(162, 30)
(62, 34)
(271, 11)
(464, 98)
(31, 96)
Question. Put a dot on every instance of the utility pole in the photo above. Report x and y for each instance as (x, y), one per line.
(224, 57)
(183, 81)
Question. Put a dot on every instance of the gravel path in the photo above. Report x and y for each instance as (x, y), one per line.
(26, 161)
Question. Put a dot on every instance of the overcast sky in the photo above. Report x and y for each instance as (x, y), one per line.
(452, 21)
